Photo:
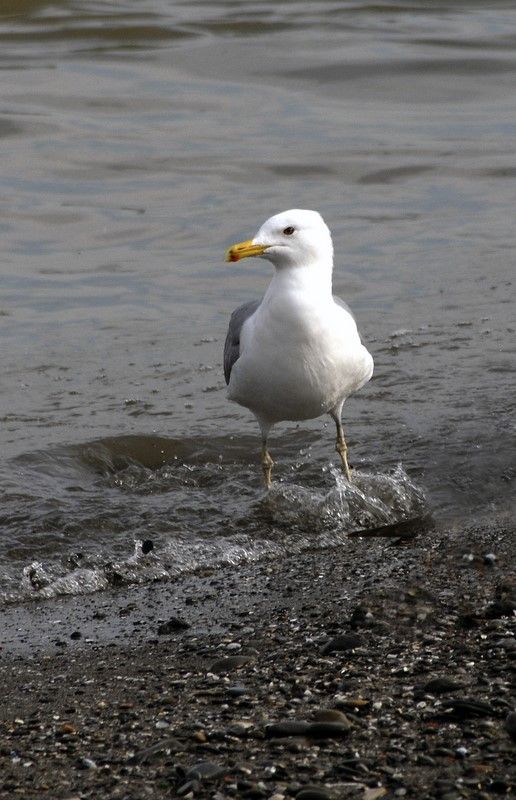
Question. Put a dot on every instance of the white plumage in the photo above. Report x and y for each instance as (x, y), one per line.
(297, 354)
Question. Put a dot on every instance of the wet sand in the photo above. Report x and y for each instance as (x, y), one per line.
(393, 659)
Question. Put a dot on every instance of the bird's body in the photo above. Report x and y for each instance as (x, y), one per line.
(297, 354)
(320, 351)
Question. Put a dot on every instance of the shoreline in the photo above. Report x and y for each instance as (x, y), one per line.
(393, 660)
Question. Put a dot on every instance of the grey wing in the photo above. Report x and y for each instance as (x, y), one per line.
(343, 305)
(232, 344)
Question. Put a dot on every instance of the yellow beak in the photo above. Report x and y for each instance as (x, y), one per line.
(244, 249)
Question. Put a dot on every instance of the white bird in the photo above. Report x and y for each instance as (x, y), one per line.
(296, 354)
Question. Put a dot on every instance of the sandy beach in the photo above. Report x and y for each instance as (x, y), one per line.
(380, 671)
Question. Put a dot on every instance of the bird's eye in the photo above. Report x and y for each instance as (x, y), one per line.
(289, 231)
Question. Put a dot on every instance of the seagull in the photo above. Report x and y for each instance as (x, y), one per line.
(296, 354)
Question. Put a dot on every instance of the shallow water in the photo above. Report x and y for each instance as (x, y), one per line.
(138, 140)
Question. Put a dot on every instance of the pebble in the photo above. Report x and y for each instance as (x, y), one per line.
(255, 792)
(347, 641)
(349, 724)
(165, 746)
(375, 792)
(67, 728)
(356, 704)
(313, 793)
(86, 763)
(465, 708)
(361, 616)
(428, 761)
(240, 728)
(174, 624)
(204, 771)
(442, 685)
(328, 730)
(188, 788)
(443, 785)
(312, 730)
(508, 644)
(444, 751)
(228, 663)
(500, 608)
(331, 715)
(510, 725)
(237, 690)
(287, 728)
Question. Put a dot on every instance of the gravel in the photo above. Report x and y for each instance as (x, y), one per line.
(378, 671)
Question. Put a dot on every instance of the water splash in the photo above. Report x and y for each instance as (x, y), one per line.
(371, 500)
(289, 518)
(82, 575)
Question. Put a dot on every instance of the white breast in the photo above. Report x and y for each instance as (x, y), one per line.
(299, 358)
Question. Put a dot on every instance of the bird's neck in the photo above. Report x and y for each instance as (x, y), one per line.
(314, 280)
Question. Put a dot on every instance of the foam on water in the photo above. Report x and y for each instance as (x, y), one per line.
(289, 518)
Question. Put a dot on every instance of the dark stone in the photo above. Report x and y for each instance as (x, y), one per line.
(328, 730)
(442, 685)
(361, 617)
(330, 715)
(428, 761)
(465, 708)
(76, 635)
(254, 793)
(229, 663)
(146, 756)
(174, 624)
(189, 786)
(147, 546)
(204, 771)
(445, 752)
(468, 620)
(347, 641)
(238, 729)
(125, 611)
(313, 793)
(500, 608)
(510, 725)
(290, 727)
(499, 786)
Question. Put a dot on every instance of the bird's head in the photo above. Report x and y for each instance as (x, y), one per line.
(293, 238)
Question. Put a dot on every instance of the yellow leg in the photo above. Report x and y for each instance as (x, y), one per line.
(342, 449)
(267, 465)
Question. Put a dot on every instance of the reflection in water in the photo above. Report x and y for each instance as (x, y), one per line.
(138, 141)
